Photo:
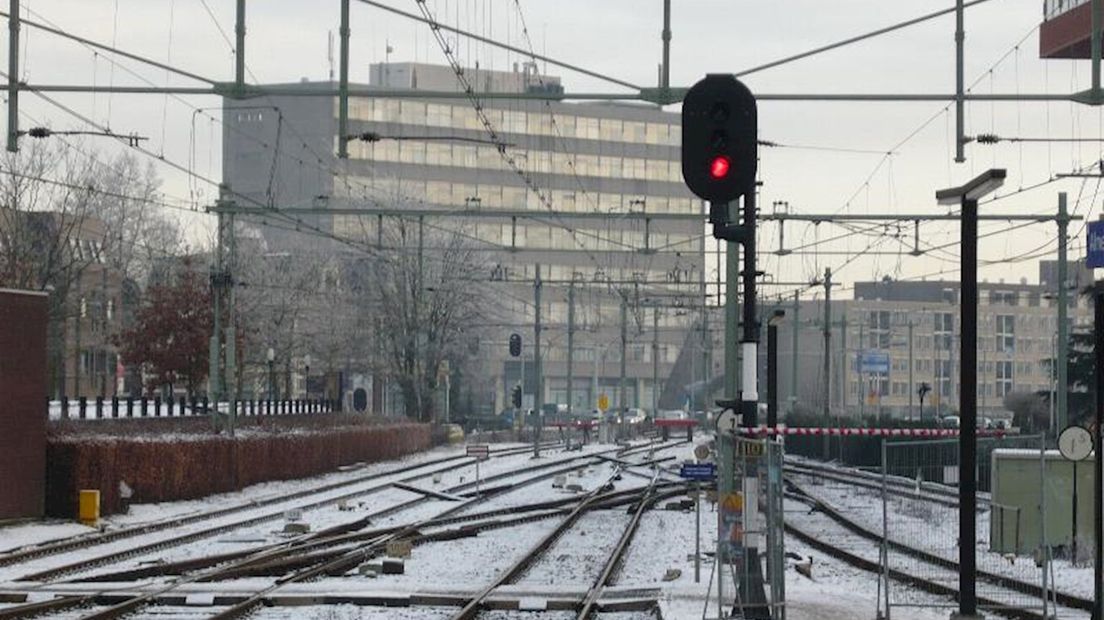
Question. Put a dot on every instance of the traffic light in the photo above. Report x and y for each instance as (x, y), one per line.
(719, 139)
(515, 345)
(515, 397)
(923, 390)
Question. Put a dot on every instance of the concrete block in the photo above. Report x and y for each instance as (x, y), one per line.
(393, 566)
(296, 527)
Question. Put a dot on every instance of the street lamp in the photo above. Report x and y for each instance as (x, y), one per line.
(306, 375)
(271, 377)
(967, 197)
(772, 366)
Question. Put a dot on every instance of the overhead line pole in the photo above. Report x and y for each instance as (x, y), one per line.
(623, 393)
(827, 386)
(1097, 30)
(570, 347)
(960, 82)
(538, 366)
(655, 360)
(343, 85)
(1062, 396)
(793, 356)
(665, 68)
(13, 77)
(239, 49)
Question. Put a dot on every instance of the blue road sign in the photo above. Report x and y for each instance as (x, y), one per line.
(1094, 256)
(873, 363)
(698, 471)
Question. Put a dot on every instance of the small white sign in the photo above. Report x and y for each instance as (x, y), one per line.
(728, 422)
(950, 474)
(1075, 443)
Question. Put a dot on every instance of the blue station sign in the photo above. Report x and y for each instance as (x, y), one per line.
(1094, 256)
(698, 471)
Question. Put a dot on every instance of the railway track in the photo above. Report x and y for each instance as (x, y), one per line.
(859, 546)
(591, 501)
(34, 552)
(336, 550)
(352, 558)
(896, 485)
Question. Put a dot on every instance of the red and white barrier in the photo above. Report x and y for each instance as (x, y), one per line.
(861, 432)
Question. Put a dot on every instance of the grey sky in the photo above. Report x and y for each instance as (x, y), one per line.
(288, 40)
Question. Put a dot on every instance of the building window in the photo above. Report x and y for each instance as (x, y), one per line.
(944, 370)
(1003, 298)
(1004, 378)
(943, 330)
(879, 329)
(1006, 333)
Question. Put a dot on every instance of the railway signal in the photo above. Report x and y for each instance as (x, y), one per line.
(515, 396)
(515, 345)
(719, 139)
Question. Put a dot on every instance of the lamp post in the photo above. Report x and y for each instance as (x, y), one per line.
(772, 366)
(271, 356)
(967, 196)
(306, 375)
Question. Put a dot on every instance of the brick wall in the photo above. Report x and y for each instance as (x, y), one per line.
(23, 317)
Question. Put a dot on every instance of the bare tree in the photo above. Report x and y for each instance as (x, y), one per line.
(278, 303)
(138, 231)
(44, 206)
(426, 301)
(47, 239)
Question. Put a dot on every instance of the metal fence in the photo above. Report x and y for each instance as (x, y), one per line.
(920, 527)
(121, 408)
(750, 521)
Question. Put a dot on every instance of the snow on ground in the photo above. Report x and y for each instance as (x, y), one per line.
(838, 591)
(579, 555)
(22, 534)
(474, 561)
(352, 612)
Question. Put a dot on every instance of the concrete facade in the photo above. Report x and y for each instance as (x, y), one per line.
(607, 158)
(1017, 339)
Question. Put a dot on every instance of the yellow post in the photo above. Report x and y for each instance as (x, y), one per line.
(89, 513)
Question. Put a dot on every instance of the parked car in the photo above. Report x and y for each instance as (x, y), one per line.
(950, 421)
(635, 416)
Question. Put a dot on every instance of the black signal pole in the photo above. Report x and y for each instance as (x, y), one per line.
(1098, 468)
(772, 367)
(967, 470)
(967, 197)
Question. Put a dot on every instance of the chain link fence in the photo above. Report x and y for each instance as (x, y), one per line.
(920, 525)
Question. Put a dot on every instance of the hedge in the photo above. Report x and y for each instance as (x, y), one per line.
(179, 467)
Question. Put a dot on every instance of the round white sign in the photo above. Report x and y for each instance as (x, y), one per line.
(1075, 443)
(701, 451)
(728, 421)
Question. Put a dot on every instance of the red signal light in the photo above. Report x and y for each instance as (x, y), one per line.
(718, 169)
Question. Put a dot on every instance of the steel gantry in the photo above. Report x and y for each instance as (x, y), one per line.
(662, 94)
